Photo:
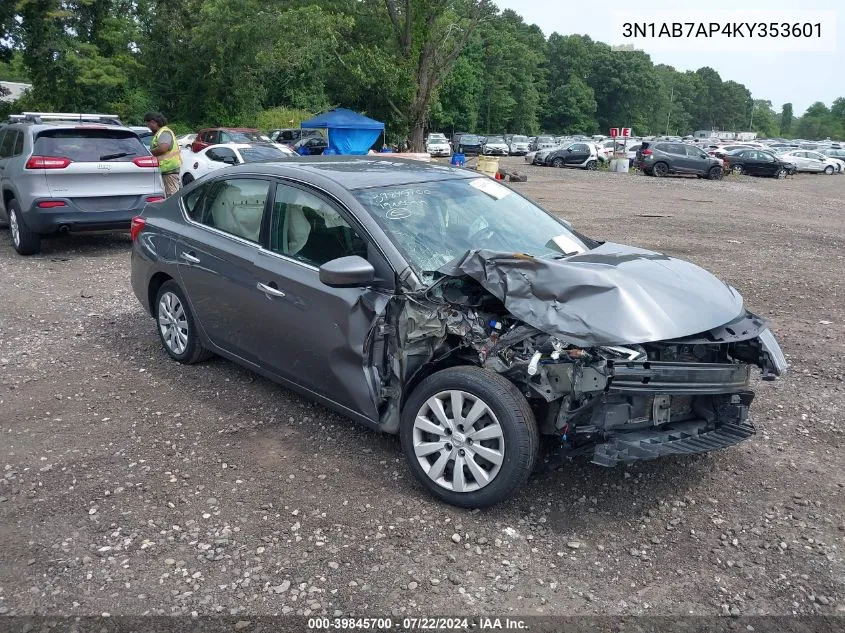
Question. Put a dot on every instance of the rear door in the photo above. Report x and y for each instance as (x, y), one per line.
(215, 260)
(107, 169)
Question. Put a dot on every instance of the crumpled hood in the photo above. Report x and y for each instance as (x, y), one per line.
(611, 295)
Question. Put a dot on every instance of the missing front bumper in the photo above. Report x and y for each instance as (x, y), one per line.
(682, 438)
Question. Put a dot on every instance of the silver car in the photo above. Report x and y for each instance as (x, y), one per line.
(810, 161)
(66, 176)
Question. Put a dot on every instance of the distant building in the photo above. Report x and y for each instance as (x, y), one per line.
(15, 90)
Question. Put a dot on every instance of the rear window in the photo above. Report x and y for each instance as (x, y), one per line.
(259, 154)
(90, 145)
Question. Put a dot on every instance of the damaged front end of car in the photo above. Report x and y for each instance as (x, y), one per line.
(624, 353)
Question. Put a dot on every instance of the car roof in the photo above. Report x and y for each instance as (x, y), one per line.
(361, 172)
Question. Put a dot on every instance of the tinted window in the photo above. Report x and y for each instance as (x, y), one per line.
(220, 154)
(694, 152)
(17, 150)
(234, 206)
(90, 145)
(470, 139)
(307, 228)
(7, 143)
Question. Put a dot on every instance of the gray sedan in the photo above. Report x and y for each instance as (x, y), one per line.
(426, 301)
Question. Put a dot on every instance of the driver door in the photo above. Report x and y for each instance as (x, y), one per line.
(314, 335)
(580, 153)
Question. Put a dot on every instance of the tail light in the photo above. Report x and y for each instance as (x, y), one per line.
(51, 204)
(154, 198)
(646, 152)
(136, 227)
(47, 162)
(146, 161)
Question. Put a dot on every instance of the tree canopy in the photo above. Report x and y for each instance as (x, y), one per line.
(446, 65)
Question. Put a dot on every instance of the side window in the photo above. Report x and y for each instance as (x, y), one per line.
(234, 206)
(222, 155)
(694, 152)
(17, 150)
(7, 143)
(306, 228)
(212, 137)
(765, 157)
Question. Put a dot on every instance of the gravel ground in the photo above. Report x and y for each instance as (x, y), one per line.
(133, 485)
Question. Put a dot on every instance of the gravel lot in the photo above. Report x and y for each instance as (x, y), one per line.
(133, 485)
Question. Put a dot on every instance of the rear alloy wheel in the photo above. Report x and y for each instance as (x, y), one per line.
(714, 173)
(660, 169)
(469, 436)
(592, 165)
(557, 162)
(176, 326)
(187, 179)
(737, 169)
(23, 239)
(829, 170)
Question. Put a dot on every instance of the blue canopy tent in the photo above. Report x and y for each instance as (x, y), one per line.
(348, 131)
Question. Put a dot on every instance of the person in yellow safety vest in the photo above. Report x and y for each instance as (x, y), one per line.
(166, 149)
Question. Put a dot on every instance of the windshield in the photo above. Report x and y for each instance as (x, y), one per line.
(435, 222)
(495, 139)
(258, 153)
(519, 139)
(246, 137)
(545, 139)
(469, 138)
(436, 138)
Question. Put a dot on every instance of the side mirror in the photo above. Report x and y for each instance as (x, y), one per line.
(347, 272)
(568, 149)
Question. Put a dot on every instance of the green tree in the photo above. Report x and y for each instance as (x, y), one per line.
(786, 119)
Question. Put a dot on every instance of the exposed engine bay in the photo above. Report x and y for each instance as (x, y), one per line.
(622, 401)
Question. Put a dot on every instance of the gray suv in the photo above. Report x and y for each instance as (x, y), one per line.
(663, 158)
(69, 176)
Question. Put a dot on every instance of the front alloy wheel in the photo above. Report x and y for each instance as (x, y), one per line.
(458, 441)
(469, 436)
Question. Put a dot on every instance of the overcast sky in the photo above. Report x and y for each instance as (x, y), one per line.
(797, 77)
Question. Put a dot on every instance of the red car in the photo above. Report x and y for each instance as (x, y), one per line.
(216, 135)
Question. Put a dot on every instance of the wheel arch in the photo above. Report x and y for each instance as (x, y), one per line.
(156, 282)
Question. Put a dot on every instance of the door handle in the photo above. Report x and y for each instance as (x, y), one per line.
(190, 258)
(269, 290)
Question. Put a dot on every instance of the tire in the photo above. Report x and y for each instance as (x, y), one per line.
(714, 173)
(557, 162)
(780, 173)
(178, 335)
(512, 437)
(660, 169)
(738, 170)
(829, 170)
(187, 179)
(23, 239)
(592, 165)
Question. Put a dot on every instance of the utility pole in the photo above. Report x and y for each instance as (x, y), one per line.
(669, 113)
(751, 124)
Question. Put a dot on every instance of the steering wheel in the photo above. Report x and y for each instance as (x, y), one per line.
(485, 233)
